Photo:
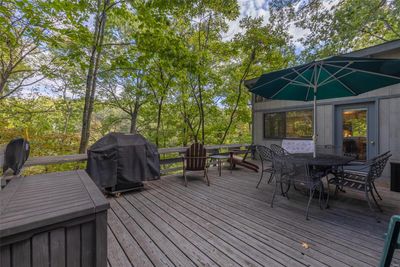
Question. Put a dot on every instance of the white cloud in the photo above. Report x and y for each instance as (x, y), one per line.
(252, 8)
(259, 8)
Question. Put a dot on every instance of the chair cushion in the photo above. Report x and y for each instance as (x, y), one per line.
(298, 146)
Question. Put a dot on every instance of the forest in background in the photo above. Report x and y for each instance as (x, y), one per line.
(72, 71)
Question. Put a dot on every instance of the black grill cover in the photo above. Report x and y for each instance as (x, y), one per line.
(17, 152)
(120, 160)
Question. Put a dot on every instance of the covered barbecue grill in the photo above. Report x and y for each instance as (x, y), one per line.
(120, 162)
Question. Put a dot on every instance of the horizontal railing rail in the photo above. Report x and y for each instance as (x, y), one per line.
(168, 156)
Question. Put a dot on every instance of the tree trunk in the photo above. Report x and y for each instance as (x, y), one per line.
(160, 104)
(187, 122)
(3, 81)
(133, 123)
(184, 143)
(67, 118)
(244, 76)
(68, 111)
(92, 73)
(201, 111)
(134, 115)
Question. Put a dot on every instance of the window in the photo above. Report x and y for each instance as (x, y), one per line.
(299, 124)
(274, 125)
(291, 124)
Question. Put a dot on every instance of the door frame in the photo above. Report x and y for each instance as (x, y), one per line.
(372, 125)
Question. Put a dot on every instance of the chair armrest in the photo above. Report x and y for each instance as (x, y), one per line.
(364, 167)
(355, 163)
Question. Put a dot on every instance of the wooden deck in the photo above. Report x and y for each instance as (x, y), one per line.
(231, 223)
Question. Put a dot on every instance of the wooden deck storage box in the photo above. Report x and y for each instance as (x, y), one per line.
(55, 219)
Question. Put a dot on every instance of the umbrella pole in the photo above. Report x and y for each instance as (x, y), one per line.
(315, 123)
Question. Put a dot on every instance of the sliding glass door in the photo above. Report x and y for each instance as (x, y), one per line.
(356, 130)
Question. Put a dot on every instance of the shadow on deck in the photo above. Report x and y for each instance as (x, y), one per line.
(231, 223)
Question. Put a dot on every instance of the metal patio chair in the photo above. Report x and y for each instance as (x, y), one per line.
(297, 172)
(362, 181)
(195, 159)
(281, 175)
(279, 150)
(363, 167)
(266, 156)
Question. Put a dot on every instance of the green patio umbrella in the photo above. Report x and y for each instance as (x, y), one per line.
(332, 77)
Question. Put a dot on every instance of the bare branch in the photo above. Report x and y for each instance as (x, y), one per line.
(118, 103)
(389, 27)
(119, 44)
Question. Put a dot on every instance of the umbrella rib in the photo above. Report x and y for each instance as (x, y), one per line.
(344, 85)
(280, 90)
(284, 76)
(295, 82)
(333, 75)
(308, 92)
(309, 87)
(291, 82)
(301, 75)
(319, 72)
(338, 77)
(361, 60)
(261, 85)
(369, 72)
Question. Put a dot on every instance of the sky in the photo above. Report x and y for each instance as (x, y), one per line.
(259, 8)
(253, 8)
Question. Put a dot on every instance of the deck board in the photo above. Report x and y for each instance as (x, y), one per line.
(231, 223)
(275, 234)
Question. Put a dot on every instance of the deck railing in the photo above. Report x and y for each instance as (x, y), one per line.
(170, 158)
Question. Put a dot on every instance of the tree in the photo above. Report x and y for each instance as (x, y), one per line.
(255, 49)
(133, 94)
(204, 21)
(94, 62)
(347, 25)
(161, 81)
(24, 29)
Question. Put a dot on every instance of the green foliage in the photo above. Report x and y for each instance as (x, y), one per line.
(347, 25)
(165, 69)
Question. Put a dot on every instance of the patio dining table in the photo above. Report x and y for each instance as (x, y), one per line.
(326, 163)
(322, 159)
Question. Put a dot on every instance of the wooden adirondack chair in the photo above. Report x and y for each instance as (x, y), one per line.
(235, 160)
(392, 241)
(195, 159)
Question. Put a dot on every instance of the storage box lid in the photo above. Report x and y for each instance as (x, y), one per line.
(36, 201)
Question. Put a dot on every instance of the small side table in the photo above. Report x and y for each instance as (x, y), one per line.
(219, 159)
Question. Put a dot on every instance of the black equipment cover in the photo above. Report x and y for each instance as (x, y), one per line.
(17, 152)
(123, 160)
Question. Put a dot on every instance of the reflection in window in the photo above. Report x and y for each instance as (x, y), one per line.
(274, 125)
(299, 124)
(355, 133)
(355, 123)
(291, 124)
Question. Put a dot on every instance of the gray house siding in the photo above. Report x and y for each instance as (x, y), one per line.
(387, 110)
